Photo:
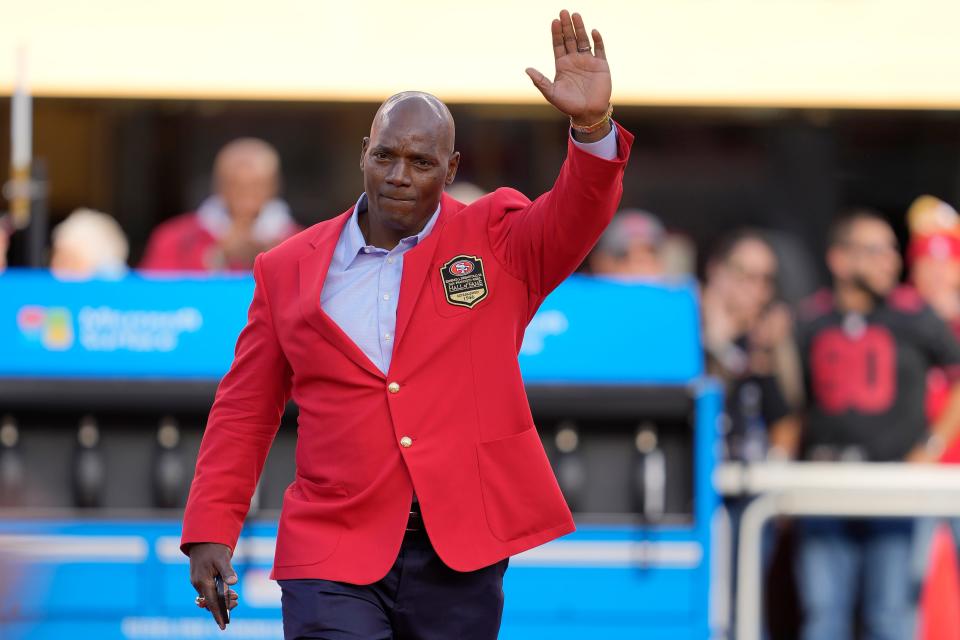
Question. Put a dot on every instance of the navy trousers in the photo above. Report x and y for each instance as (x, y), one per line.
(419, 599)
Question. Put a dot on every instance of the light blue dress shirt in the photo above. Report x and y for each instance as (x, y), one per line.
(363, 282)
(362, 287)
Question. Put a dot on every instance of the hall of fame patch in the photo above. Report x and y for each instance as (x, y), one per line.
(464, 284)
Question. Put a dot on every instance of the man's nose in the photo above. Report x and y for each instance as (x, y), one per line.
(398, 174)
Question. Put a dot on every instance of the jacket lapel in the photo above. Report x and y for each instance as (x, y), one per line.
(416, 264)
(313, 272)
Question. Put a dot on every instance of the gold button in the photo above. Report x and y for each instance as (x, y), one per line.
(393, 387)
(406, 441)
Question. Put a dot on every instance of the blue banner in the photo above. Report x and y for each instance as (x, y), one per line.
(588, 331)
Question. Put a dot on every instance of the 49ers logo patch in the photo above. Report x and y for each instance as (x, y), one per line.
(464, 284)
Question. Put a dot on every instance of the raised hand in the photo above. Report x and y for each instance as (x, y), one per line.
(581, 85)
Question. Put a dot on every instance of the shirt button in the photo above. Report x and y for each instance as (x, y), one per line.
(406, 441)
(386, 337)
(389, 260)
(386, 296)
(393, 387)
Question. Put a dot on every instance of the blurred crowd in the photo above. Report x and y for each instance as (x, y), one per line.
(864, 370)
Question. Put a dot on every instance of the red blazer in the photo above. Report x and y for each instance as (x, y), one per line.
(450, 419)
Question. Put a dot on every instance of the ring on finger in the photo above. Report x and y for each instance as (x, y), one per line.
(585, 49)
(201, 601)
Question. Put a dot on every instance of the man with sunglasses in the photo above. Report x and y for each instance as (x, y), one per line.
(866, 347)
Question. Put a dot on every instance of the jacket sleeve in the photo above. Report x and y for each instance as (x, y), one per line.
(246, 414)
(545, 241)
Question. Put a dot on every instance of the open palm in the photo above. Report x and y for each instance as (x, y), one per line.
(581, 86)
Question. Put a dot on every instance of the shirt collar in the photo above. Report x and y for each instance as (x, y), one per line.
(353, 239)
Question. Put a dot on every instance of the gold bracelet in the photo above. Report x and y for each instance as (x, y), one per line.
(595, 126)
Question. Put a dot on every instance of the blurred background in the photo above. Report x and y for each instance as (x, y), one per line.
(166, 145)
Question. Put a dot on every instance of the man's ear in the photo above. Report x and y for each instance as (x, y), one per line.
(452, 167)
(363, 150)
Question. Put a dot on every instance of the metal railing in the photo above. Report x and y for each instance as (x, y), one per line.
(824, 489)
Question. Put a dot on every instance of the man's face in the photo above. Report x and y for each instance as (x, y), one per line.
(870, 257)
(246, 186)
(406, 162)
(747, 279)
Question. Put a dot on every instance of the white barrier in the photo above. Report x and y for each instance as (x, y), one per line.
(824, 489)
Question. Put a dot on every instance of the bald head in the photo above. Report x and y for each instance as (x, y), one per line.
(406, 162)
(419, 110)
(246, 176)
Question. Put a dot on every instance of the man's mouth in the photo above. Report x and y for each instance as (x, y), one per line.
(396, 199)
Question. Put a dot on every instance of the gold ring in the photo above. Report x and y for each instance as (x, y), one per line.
(201, 601)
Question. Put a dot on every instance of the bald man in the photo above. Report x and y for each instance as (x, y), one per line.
(395, 327)
(243, 218)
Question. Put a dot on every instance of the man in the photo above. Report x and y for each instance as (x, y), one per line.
(395, 327)
(867, 347)
(230, 228)
(631, 248)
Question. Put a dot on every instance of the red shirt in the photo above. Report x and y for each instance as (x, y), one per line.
(182, 243)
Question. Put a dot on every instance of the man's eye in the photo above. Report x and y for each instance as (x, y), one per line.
(423, 163)
(379, 155)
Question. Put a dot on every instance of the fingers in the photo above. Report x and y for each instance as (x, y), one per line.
(226, 572)
(569, 37)
(598, 49)
(580, 33)
(541, 82)
(558, 49)
(209, 591)
(232, 599)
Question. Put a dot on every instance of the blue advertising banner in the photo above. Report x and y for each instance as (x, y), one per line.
(588, 331)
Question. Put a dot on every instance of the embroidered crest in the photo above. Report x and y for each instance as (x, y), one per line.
(464, 284)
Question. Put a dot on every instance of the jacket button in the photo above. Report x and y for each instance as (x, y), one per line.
(393, 387)
(406, 441)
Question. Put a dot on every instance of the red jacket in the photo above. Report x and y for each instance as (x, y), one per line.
(453, 394)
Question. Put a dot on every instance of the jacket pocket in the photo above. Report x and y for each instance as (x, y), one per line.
(520, 492)
(310, 525)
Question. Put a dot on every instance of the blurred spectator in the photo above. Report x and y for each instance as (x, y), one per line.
(88, 244)
(465, 192)
(242, 219)
(631, 247)
(866, 348)
(4, 246)
(933, 257)
(749, 346)
(679, 256)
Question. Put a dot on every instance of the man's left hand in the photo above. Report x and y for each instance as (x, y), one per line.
(581, 86)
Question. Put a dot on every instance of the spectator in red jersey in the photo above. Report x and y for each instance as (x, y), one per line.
(934, 260)
(243, 218)
(866, 347)
(933, 256)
